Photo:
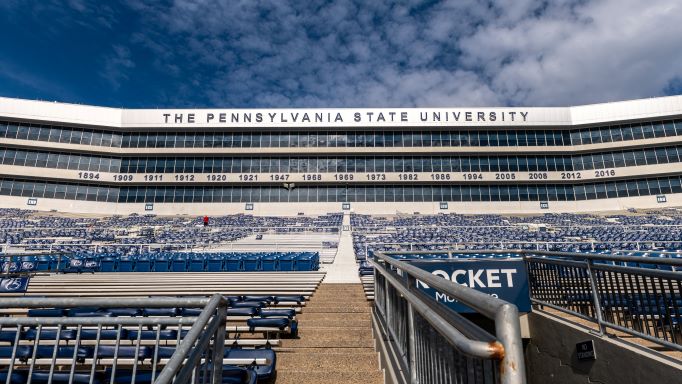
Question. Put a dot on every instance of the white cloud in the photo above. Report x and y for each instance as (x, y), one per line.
(117, 65)
(451, 53)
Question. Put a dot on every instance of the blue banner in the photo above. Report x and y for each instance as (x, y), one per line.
(505, 279)
(13, 284)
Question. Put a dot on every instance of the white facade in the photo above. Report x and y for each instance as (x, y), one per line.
(282, 121)
(53, 112)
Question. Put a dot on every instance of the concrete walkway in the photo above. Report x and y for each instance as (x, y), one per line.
(336, 342)
(344, 270)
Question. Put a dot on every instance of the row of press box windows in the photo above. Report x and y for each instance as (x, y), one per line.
(605, 134)
(389, 193)
(91, 163)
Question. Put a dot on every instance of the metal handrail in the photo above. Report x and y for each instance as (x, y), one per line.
(175, 364)
(598, 286)
(524, 253)
(102, 302)
(205, 337)
(501, 245)
(508, 346)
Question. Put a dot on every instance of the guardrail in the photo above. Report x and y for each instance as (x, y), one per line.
(517, 245)
(637, 295)
(432, 344)
(184, 247)
(197, 356)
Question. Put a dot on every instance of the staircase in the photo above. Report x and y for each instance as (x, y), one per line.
(335, 343)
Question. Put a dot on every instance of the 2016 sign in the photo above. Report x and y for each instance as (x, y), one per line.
(505, 279)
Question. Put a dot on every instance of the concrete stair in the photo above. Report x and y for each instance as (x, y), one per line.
(335, 343)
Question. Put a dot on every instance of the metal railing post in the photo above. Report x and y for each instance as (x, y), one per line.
(411, 335)
(508, 332)
(387, 310)
(595, 297)
(219, 344)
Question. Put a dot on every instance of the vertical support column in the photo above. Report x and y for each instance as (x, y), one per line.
(508, 332)
(411, 334)
(595, 297)
(219, 344)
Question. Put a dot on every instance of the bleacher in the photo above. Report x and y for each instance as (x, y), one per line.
(111, 342)
(165, 262)
(266, 292)
(25, 231)
(656, 233)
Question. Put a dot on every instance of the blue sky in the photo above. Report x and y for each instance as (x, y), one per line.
(314, 53)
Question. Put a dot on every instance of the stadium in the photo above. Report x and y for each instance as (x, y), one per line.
(407, 245)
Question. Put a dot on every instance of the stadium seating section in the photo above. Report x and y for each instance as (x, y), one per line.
(167, 262)
(31, 230)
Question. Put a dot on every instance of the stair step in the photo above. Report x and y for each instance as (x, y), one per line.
(316, 309)
(335, 342)
(337, 322)
(295, 350)
(326, 362)
(326, 343)
(343, 377)
(350, 317)
(335, 333)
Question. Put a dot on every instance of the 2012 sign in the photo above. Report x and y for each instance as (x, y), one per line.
(505, 279)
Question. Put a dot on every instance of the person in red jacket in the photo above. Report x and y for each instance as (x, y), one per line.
(205, 221)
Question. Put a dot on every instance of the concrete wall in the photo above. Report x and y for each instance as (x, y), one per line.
(377, 208)
(551, 358)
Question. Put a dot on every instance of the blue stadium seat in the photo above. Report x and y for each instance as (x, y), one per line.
(104, 334)
(269, 322)
(128, 312)
(41, 377)
(264, 372)
(164, 334)
(143, 263)
(17, 377)
(50, 334)
(64, 352)
(265, 299)
(190, 312)
(285, 312)
(179, 264)
(10, 336)
(215, 263)
(287, 262)
(108, 264)
(197, 263)
(233, 263)
(290, 298)
(161, 263)
(270, 263)
(305, 262)
(23, 352)
(125, 351)
(44, 263)
(247, 304)
(249, 311)
(161, 312)
(29, 264)
(126, 264)
(251, 262)
(46, 312)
